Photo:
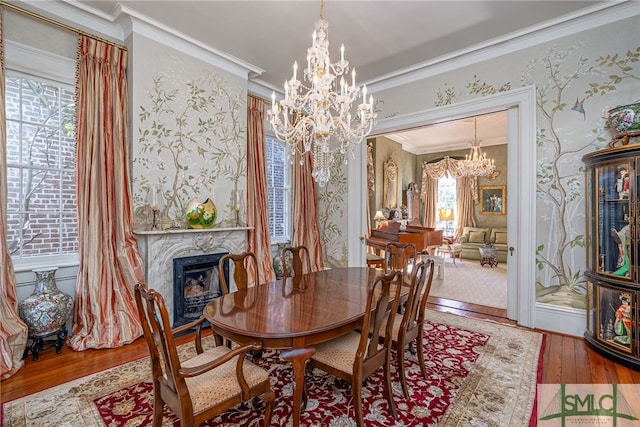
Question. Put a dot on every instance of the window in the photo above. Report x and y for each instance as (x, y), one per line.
(41, 210)
(446, 213)
(278, 178)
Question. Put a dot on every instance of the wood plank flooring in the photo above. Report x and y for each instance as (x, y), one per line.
(567, 359)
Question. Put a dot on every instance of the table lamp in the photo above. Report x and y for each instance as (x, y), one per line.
(446, 214)
(379, 216)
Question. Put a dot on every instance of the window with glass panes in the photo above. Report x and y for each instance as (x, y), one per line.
(41, 155)
(278, 171)
(446, 201)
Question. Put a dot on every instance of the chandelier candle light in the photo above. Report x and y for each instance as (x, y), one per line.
(315, 111)
(476, 162)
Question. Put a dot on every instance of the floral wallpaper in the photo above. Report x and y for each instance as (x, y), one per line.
(190, 140)
(577, 79)
(332, 219)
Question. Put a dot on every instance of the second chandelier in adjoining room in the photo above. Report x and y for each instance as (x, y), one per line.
(476, 163)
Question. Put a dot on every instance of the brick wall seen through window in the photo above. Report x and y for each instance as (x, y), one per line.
(41, 209)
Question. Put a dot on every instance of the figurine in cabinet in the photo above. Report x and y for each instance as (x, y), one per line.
(621, 237)
(622, 184)
(622, 324)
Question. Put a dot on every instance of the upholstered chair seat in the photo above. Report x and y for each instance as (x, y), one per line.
(224, 377)
(339, 353)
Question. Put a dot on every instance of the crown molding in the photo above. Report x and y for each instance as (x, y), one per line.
(596, 16)
(72, 14)
(185, 46)
(436, 148)
(124, 21)
(137, 23)
(262, 89)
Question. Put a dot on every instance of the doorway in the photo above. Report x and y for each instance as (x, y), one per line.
(442, 146)
(520, 105)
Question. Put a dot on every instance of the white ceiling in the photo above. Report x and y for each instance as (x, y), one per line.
(381, 38)
(490, 129)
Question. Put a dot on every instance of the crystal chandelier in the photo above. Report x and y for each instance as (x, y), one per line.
(476, 162)
(316, 116)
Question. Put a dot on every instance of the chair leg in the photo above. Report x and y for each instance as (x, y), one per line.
(421, 355)
(357, 403)
(268, 397)
(387, 386)
(403, 382)
(158, 405)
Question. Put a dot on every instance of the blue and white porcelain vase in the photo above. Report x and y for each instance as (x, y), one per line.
(47, 310)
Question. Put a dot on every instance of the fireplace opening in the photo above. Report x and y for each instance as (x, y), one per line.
(195, 283)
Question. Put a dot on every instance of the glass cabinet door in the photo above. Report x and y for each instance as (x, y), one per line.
(613, 213)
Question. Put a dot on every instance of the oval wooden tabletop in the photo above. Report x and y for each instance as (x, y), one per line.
(288, 308)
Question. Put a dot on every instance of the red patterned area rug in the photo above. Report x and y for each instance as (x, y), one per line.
(479, 373)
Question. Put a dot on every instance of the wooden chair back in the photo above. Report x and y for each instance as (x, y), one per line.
(381, 309)
(296, 261)
(398, 256)
(354, 356)
(170, 378)
(411, 325)
(157, 334)
(413, 316)
(241, 264)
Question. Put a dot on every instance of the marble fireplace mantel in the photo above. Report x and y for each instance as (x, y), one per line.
(159, 247)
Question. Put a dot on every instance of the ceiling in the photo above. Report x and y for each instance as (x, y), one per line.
(382, 39)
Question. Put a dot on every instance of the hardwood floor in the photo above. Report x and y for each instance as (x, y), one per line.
(567, 360)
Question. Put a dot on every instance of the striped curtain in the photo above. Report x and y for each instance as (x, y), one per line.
(465, 201)
(257, 198)
(104, 313)
(13, 332)
(305, 230)
(429, 196)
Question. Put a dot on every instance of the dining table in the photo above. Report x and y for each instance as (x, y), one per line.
(292, 315)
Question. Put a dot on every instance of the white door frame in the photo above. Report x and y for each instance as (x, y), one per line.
(521, 177)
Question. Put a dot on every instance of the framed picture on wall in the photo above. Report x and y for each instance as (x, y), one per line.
(493, 200)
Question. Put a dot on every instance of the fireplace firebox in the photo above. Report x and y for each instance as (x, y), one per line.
(195, 283)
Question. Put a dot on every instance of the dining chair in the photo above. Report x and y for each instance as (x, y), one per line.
(355, 356)
(205, 385)
(398, 256)
(296, 261)
(241, 264)
(407, 329)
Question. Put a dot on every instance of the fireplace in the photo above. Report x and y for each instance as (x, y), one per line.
(195, 283)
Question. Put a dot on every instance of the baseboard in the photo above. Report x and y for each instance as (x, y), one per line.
(564, 320)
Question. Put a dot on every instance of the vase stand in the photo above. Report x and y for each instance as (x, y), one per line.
(39, 343)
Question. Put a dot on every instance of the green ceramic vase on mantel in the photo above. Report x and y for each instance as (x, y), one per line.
(201, 214)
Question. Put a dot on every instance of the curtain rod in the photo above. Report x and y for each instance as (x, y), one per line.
(59, 24)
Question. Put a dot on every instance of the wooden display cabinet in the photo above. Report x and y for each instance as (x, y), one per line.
(613, 289)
